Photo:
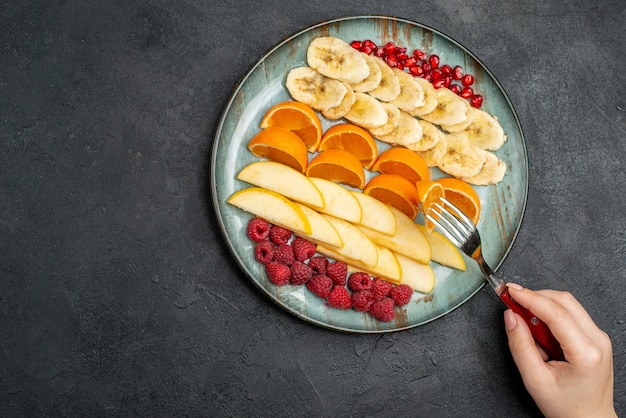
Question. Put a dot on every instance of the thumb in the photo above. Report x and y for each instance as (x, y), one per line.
(525, 353)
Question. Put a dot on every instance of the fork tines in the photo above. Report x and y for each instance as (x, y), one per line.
(451, 221)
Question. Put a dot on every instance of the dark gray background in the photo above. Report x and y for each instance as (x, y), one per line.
(117, 293)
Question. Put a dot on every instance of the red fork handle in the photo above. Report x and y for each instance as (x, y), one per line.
(541, 333)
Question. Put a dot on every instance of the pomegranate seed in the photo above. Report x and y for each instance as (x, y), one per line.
(446, 69)
(379, 52)
(356, 44)
(436, 74)
(457, 72)
(433, 60)
(390, 48)
(467, 80)
(366, 49)
(400, 49)
(419, 54)
(409, 62)
(426, 76)
(369, 43)
(426, 67)
(455, 88)
(447, 80)
(476, 101)
(439, 83)
(467, 92)
(416, 70)
(392, 61)
(400, 66)
(402, 56)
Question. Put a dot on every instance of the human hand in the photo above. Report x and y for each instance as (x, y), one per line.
(581, 386)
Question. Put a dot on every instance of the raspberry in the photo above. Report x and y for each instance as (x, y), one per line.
(383, 309)
(362, 300)
(264, 251)
(320, 285)
(279, 235)
(258, 229)
(337, 271)
(340, 298)
(401, 294)
(381, 288)
(359, 281)
(277, 273)
(303, 248)
(284, 254)
(318, 264)
(300, 273)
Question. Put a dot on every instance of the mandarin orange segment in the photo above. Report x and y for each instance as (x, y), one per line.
(353, 139)
(280, 145)
(297, 117)
(337, 165)
(462, 195)
(396, 191)
(404, 162)
(428, 192)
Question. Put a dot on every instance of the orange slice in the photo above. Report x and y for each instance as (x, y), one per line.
(297, 117)
(462, 195)
(396, 191)
(280, 145)
(404, 162)
(429, 192)
(353, 139)
(337, 165)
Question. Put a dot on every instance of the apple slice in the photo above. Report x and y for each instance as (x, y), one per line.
(419, 276)
(375, 214)
(338, 201)
(387, 267)
(356, 245)
(271, 206)
(443, 251)
(322, 231)
(408, 240)
(283, 180)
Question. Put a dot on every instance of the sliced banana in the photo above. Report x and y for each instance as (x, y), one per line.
(433, 156)
(408, 133)
(450, 110)
(336, 59)
(492, 171)
(463, 125)
(314, 89)
(389, 86)
(411, 92)
(430, 98)
(462, 158)
(344, 107)
(431, 136)
(366, 112)
(393, 119)
(373, 80)
(485, 131)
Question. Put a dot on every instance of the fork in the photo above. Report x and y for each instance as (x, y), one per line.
(462, 232)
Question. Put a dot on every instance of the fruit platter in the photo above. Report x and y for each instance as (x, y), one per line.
(331, 149)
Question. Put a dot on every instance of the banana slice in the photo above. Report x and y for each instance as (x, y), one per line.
(366, 112)
(336, 59)
(393, 119)
(463, 125)
(433, 156)
(430, 98)
(408, 133)
(450, 110)
(344, 107)
(431, 136)
(312, 88)
(411, 92)
(485, 131)
(492, 171)
(373, 80)
(389, 86)
(462, 158)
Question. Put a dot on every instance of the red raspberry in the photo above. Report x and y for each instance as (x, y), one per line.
(303, 248)
(340, 298)
(318, 264)
(258, 229)
(401, 294)
(264, 251)
(359, 281)
(362, 300)
(279, 235)
(284, 254)
(300, 273)
(381, 288)
(320, 285)
(382, 310)
(337, 271)
(277, 273)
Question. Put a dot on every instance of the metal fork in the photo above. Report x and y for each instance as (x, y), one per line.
(462, 232)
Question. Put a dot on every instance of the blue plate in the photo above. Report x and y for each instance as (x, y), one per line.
(502, 205)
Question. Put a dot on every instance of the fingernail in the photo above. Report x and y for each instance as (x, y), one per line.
(509, 320)
(514, 286)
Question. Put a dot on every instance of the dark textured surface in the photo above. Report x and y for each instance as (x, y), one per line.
(117, 295)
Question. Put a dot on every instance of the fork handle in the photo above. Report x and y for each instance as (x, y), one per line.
(541, 333)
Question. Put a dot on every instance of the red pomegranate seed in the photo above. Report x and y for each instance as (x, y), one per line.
(392, 61)
(426, 67)
(455, 88)
(409, 62)
(369, 43)
(379, 52)
(439, 83)
(366, 49)
(436, 74)
(447, 80)
(467, 92)
(467, 80)
(416, 70)
(476, 101)
(457, 72)
(390, 48)
(402, 56)
(433, 60)
(426, 76)
(446, 69)
(356, 44)
(419, 54)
